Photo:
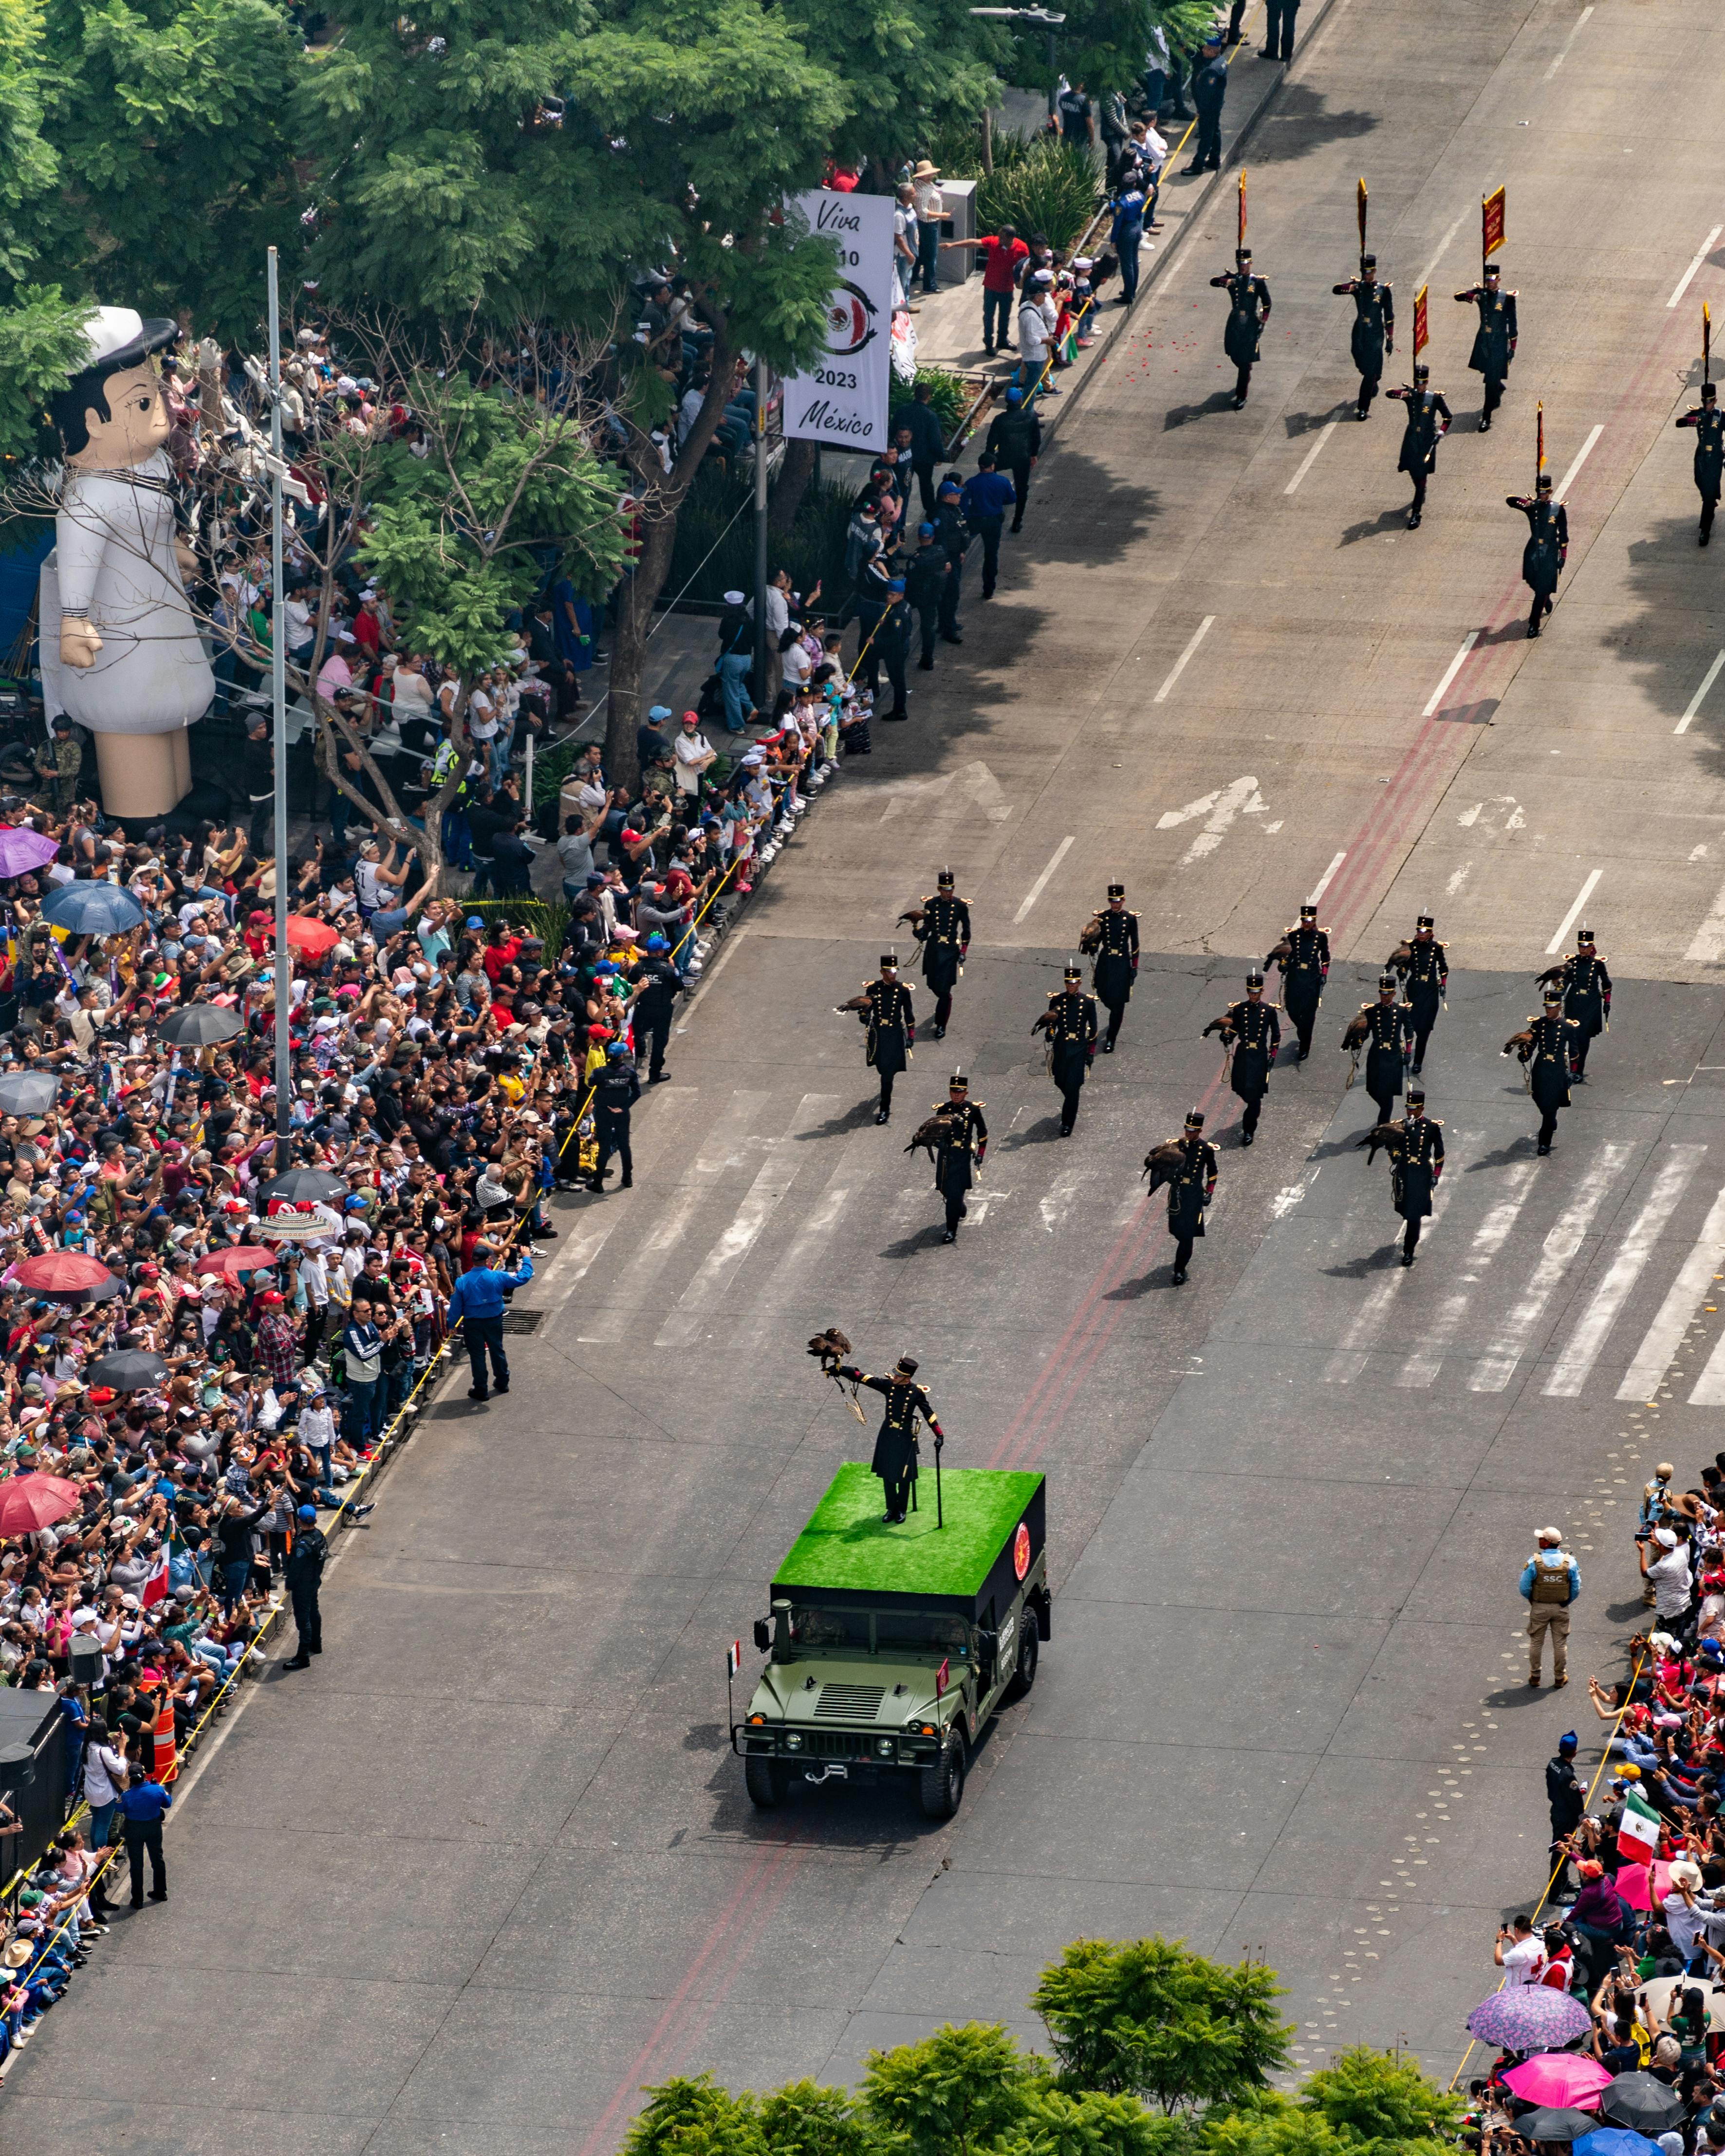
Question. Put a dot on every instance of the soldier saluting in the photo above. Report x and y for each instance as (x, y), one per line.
(1385, 1030)
(941, 926)
(1071, 1023)
(894, 1459)
(1415, 1145)
(1248, 310)
(958, 1137)
(1252, 1030)
(1373, 332)
(1546, 1049)
(1111, 937)
(1494, 341)
(1709, 424)
(1422, 966)
(1428, 422)
(1586, 989)
(1303, 957)
(885, 1008)
(1547, 547)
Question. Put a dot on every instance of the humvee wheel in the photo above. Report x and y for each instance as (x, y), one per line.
(1024, 1675)
(941, 1786)
(766, 1781)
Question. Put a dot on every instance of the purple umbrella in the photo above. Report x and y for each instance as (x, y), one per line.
(21, 851)
(1529, 2017)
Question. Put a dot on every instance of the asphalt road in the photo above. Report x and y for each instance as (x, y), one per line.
(489, 1866)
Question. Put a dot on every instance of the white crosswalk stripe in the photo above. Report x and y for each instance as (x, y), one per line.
(1368, 1325)
(1497, 1366)
(1660, 1343)
(1605, 1305)
(1489, 1238)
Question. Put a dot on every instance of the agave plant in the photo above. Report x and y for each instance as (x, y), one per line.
(1054, 189)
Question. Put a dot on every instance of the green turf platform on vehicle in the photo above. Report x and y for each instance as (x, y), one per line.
(847, 1554)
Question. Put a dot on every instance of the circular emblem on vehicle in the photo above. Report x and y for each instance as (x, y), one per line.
(1021, 1550)
(850, 321)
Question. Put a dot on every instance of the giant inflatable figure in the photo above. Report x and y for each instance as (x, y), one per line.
(120, 653)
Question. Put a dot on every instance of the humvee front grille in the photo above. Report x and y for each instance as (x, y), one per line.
(849, 1702)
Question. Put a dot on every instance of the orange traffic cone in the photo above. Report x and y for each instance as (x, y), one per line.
(167, 1765)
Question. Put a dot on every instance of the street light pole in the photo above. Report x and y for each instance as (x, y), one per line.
(766, 692)
(278, 693)
(1041, 18)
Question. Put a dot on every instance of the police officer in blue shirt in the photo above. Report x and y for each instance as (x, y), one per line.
(984, 504)
(142, 1809)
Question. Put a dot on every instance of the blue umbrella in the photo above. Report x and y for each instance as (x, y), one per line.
(93, 909)
(1615, 2141)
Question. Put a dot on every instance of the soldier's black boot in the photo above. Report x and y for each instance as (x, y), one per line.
(1243, 383)
(1709, 504)
(1410, 1242)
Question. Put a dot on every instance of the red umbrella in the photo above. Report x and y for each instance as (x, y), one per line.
(35, 1500)
(67, 1274)
(314, 937)
(239, 1258)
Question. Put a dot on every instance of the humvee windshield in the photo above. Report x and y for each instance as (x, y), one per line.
(810, 1629)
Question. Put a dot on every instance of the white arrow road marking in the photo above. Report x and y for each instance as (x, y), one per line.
(1219, 810)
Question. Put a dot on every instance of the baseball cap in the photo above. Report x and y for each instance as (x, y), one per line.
(308, 1511)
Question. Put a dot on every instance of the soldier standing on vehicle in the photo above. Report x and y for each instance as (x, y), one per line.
(894, 1459)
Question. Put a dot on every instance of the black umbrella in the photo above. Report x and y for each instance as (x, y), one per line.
(302, 1186)
(28, 1092)
(1639, 2101)
(200, 1025)
(1550, 2125)
(132, 1370)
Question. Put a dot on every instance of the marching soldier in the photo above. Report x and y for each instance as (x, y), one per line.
(1428, 422)
(1422, 966)
(1547, 547)
(1303, 958)
(1249, 310)
(1416, 1165)
(1112, 936)
(58, 763)
(1373, 332)
(885, 1008)
(894, 1459)
(1253, 1029)
(1709, 424)
(961, 1146)
(941, 926)
(1192, 1187)
(1494, 341)
(1071, 1023)
(1385, 1030)
(1586, 987)
(1548, 1048)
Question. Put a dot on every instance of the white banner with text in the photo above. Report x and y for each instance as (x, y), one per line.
(841, 400)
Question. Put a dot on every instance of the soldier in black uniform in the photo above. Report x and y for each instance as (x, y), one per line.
(1416, 1164)
(616, 1089)
(1549, 1056)
(943, 930)
(1388, 1042)
(885, 1008)
(1112, 936)
(1070, 1023)
(1428, 423)
(1191, 1190)
(1709, 424)
(1253, 1030)
(1248, 310)
(894, 1459)
(1586, 987)
(1373, 332)
(1547, 547)
(1304, 970)
(963, 1143)
(1494, 341)
(1425, 975)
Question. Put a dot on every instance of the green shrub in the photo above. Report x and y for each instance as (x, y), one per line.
(1054, 189)
(949, 402)
(547, 919)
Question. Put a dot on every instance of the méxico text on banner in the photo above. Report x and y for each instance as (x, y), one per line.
(842, 399)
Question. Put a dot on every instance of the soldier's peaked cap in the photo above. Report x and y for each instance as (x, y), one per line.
(944, 879)
(1194, 1119)
(1075, 973)
(1423, 921)
(908, 1366)
(1422, 372)
(1255, 979)
(1308, 913)
(1242, 253)
(1415, 1093)
(1584, 935)
(888, 958)
(1544, 480)
(1554, 994)
(1709, 388)
(959, 1082)
(1116, 890)
(1386, 981)
(1369, 262)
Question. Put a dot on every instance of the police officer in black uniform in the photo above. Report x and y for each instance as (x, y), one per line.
(885, 1008)
(1547, 547)
(1416, 1164)
(1587, 995)
(1425, 975)
(1549, 1055)
(1248, 310)
(1373, 332)
(1389, 1044)
(1253, 1029)
(1428, 422)
(944, 933)
(1070, 1023)
(304, 1574)
(963, 1143)
(1494, 341)
(1113, 937)
(1709, 424)
(657, 984)
(1191, 1192)
(894, 1459)
(953, 536)
(616, 1088)
(1210, 87)
(1304, 971)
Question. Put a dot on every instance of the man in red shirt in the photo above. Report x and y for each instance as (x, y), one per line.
(1004, 255)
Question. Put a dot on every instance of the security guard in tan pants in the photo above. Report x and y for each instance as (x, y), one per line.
(58, 763)
(1550, 1582)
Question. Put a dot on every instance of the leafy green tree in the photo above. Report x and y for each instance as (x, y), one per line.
(802, 2119)
(1058, 2123)
(1153, 2018)
(1379, 2096)
(958, 2092)
(695, 2118)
